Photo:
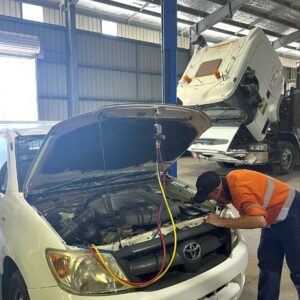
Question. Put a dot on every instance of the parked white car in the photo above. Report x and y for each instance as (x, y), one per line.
(93, 180)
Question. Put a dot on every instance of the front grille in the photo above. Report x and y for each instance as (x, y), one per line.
(198, 249)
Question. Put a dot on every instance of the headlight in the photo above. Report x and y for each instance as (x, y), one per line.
(79, 273)
(227, 213)
(258, 147)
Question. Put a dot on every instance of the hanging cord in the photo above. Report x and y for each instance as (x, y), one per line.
(106, 192)
(96, 253)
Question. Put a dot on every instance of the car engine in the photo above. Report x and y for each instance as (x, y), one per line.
(104, 218)
(124, 220)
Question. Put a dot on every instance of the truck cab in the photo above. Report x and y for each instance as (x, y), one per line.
(239, 85)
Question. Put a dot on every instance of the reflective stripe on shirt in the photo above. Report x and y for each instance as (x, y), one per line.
(269, 191)
(288, 201)
(287, 204)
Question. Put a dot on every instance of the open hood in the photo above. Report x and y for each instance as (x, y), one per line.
(216, 139)
(110, 141)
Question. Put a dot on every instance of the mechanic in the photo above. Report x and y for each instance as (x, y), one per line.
(262, 202)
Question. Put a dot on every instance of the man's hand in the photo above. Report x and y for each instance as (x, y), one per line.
(214, 219)
(245, 222)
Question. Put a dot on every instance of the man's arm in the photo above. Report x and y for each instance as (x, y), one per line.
(245, 222)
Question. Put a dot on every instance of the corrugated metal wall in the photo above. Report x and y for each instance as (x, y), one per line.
(148, 35)
(114, 70)
(53, 16)
(56, 17)
(10, 8)
(89, 23)
(111, 69)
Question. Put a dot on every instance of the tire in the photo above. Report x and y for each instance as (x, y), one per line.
(225, 165)
(286, 157)
(17, 288)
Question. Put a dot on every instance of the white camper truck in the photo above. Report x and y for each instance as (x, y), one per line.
(239, 85)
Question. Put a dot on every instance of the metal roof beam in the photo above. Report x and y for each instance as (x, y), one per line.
(200, 13)
(288, 4)
(44, 3)
(158, 15)
(218, 15)
(184, 9)
(128, 7)
(263, 15)
(286, 39)
(255, 12)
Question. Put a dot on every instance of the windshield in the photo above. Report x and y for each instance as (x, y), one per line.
(26, 149)
(220, 113)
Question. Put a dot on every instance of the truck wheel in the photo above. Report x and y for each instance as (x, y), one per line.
(286, 159)
(17, 288)
(226, 165)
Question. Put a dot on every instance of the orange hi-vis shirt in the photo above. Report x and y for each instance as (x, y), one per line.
(256, 194)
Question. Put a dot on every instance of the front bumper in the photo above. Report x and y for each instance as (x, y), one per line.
(223, 282)
(236, 157)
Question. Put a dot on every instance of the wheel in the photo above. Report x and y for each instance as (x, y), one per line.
(286, 159)
(225, 165)
(17, 288)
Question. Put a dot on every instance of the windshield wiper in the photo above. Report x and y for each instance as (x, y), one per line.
(68, 184)
(130, 174)
(95, 180)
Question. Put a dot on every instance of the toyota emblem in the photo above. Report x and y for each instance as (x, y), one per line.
(192, 251)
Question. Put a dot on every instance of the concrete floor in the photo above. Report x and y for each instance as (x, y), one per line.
(189, 169)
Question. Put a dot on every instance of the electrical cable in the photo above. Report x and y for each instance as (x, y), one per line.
(96, 253)
(106, 180)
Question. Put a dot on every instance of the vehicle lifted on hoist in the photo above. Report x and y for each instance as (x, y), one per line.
(89, 213)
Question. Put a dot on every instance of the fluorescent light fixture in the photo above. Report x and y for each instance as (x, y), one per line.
(228, 27)
(294, 44)
(294, 53)
(283, 50)
(272, 38)
(217, 35)
(210, 44)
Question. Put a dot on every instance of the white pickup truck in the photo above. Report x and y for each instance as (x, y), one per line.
(239, 85)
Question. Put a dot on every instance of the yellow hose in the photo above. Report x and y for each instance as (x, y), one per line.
(175, 240)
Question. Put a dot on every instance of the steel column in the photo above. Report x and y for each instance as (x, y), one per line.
(72, 65)
(169, 47)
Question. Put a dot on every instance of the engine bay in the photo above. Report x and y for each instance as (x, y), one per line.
(107, 217)
(123, 220)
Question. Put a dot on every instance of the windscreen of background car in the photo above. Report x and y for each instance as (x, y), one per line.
(26, 149)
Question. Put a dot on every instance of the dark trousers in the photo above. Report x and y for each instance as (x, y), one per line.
(278, 241)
